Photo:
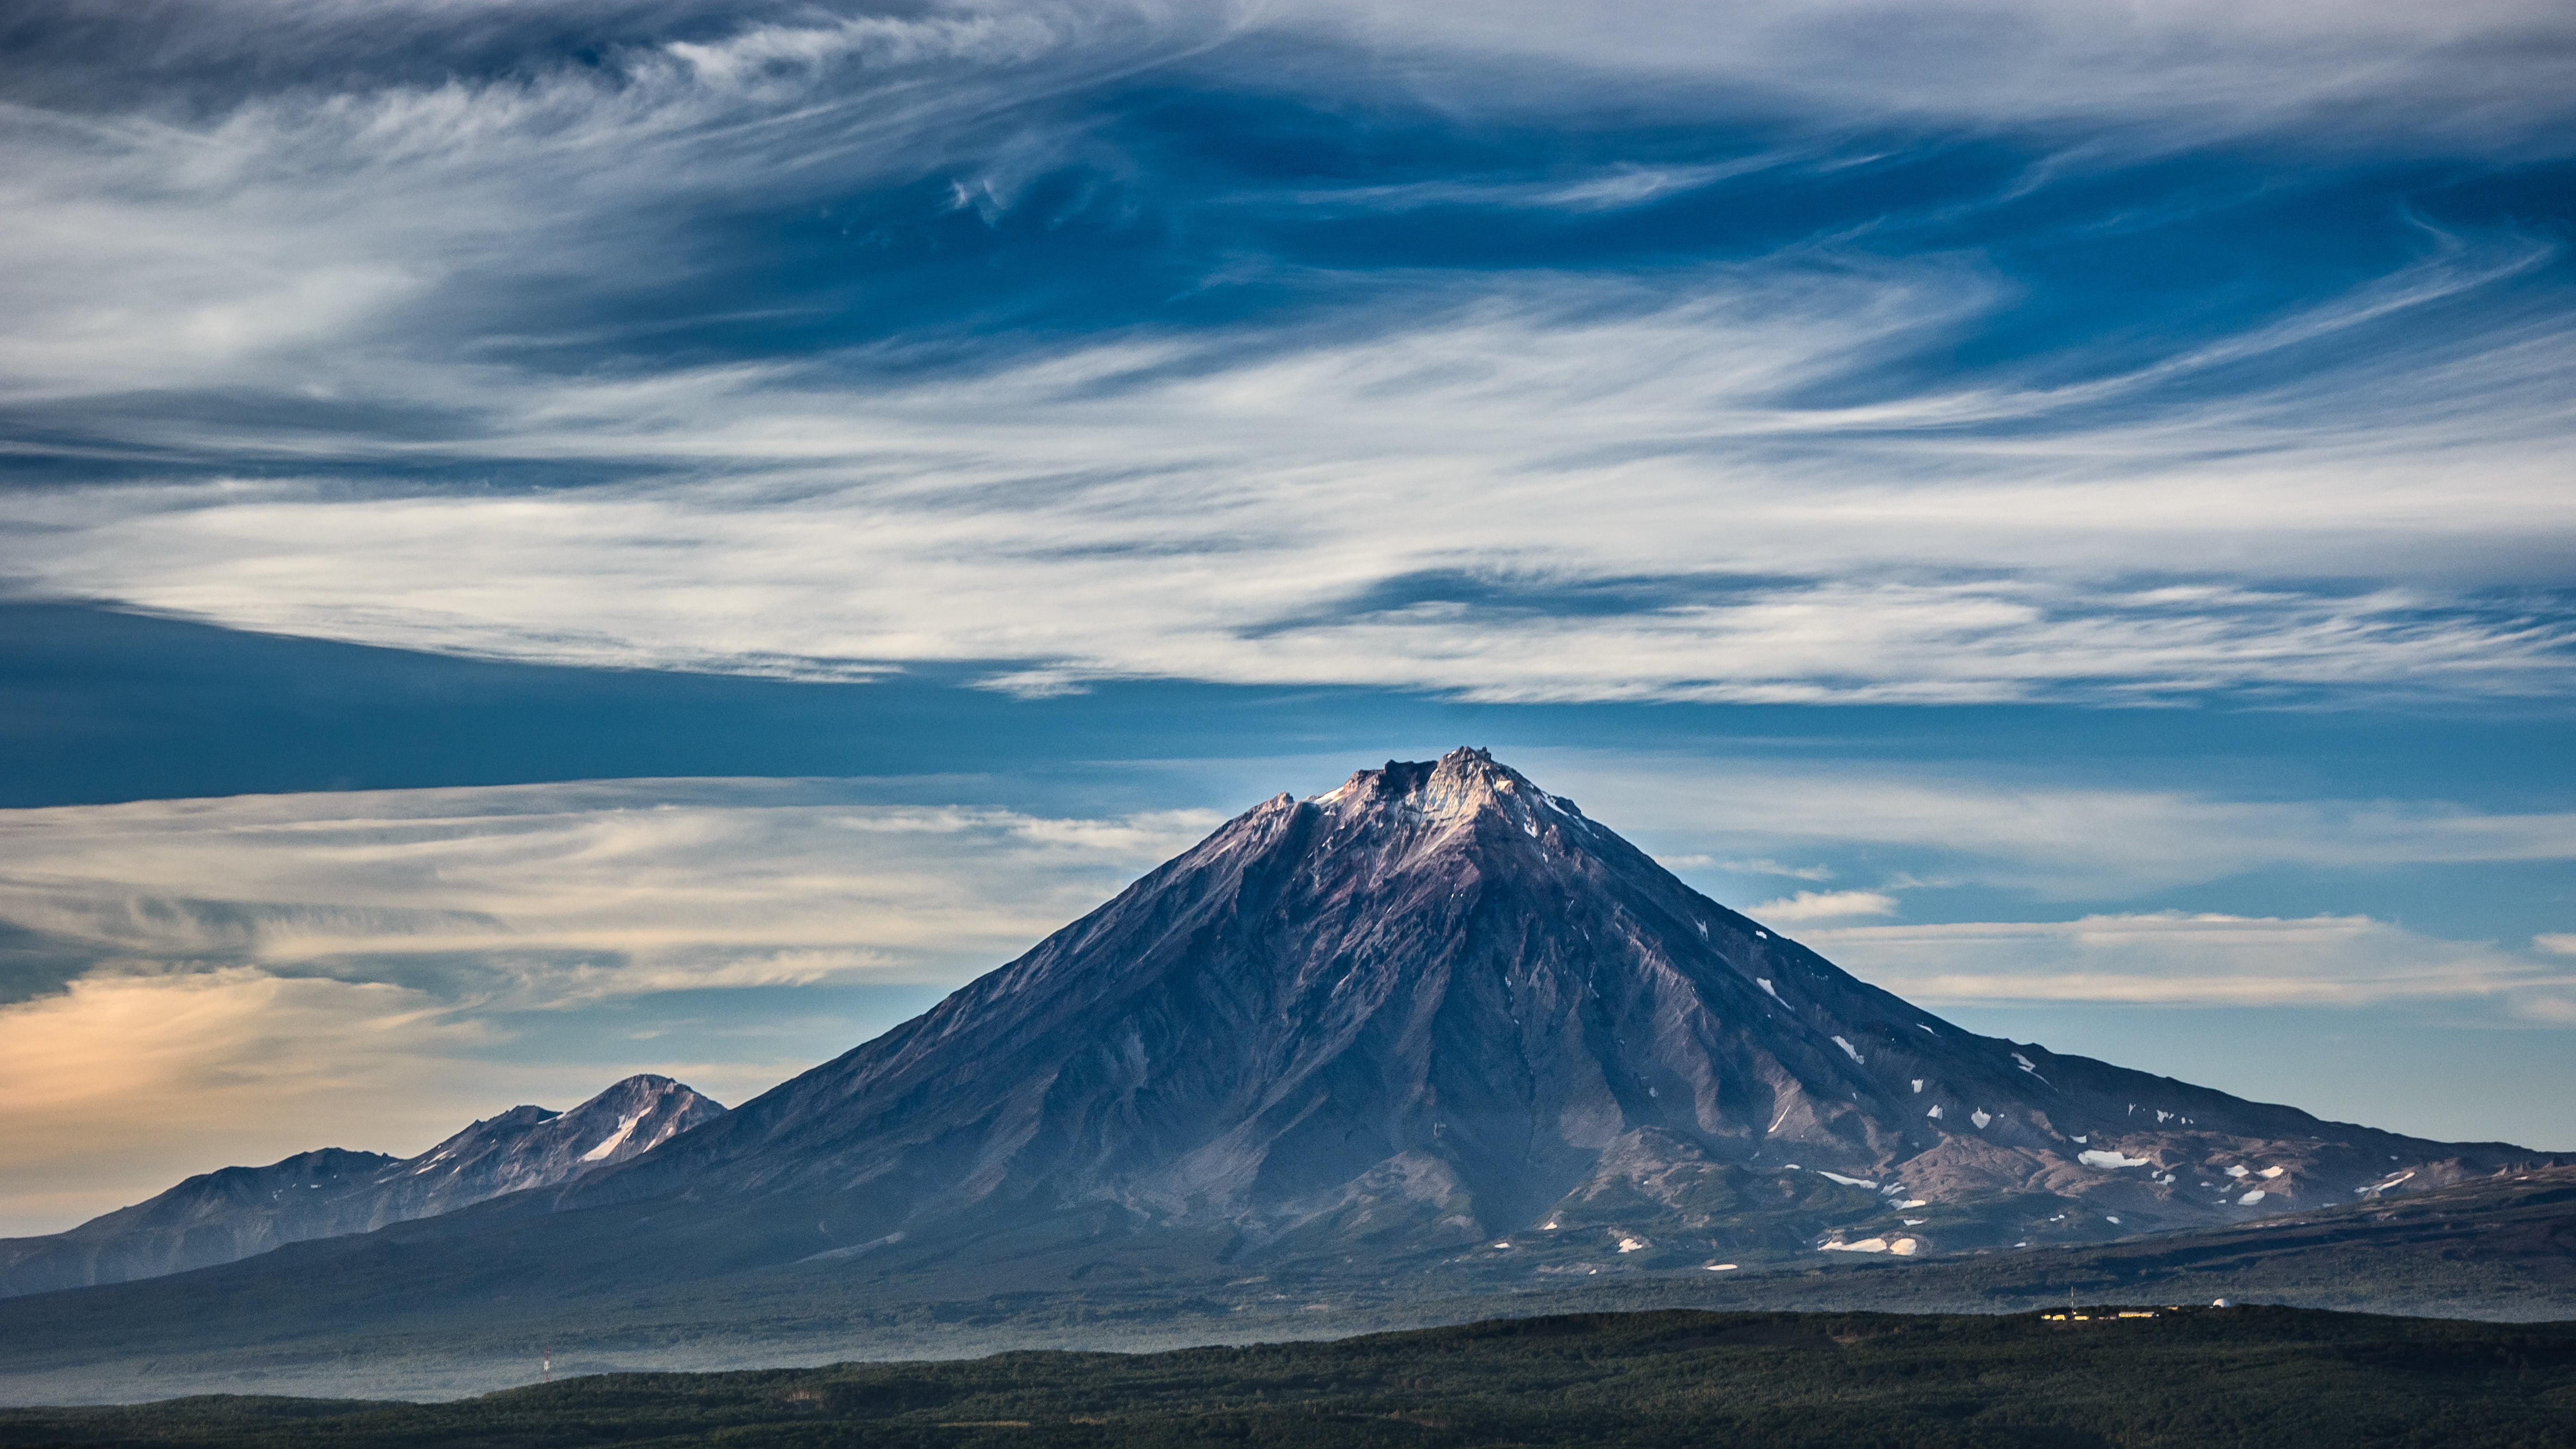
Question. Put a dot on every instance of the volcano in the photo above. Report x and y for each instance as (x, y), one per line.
(1439, 1009)
(1408, 1051)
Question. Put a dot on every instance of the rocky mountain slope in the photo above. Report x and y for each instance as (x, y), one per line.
(1440, 1011)
(239, 1211)
(1429, 1047)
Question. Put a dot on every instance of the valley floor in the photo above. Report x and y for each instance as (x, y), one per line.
(356, 1318)
(2154, 1376)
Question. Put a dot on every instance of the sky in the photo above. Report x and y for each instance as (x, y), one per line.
(546, 540)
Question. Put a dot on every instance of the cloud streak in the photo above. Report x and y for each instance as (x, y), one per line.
(2172, 958)
(2032, 831)
(558, 895)
(1144, 512)
(2476, 76)
(1824, 906)
(806, 343)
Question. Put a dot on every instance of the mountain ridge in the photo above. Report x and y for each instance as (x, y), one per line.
(237, 1212)
(1427, 1044)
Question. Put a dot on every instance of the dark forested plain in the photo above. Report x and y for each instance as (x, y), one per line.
(2197, 1376)
(346, 1317)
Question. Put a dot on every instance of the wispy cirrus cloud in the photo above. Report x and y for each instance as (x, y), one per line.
(2197, 959)
(1757, 866)
(1824, 906)
(2038, 832)
(550, 896)
(651, 336)
(1500, 509)
(2477, 76)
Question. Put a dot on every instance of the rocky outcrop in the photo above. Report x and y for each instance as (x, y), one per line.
(528, 1147)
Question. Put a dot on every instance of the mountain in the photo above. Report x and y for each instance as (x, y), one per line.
(1428, 1047)
(221, 1216)
(530, 1147)
(1438, 1009)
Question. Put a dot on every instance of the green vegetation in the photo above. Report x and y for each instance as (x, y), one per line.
(2274, 1377)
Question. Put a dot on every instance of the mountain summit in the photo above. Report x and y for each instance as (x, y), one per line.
(1431, 1037)
(1439, 1007)
(236, 1212)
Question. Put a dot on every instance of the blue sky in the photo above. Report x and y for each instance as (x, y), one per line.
(661, 536)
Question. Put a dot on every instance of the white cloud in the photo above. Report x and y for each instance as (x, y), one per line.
(1758, 866)
(292, 235)
(2025, 830)
(2173, 958)
(1267, 505)
(1823, 906)
(1149, 508)
(1767, 866)
(2490, 74)
(552, 895)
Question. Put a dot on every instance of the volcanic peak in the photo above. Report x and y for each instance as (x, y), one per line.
(1437, 1002)
(1454, 787)
(1407, 808)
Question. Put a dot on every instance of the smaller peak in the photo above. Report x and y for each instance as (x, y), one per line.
(643, 1087)
(643, 1082)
